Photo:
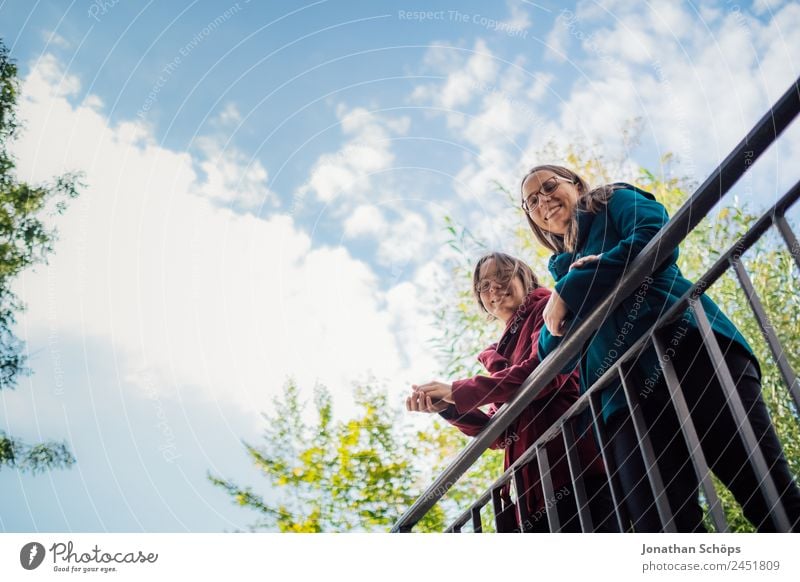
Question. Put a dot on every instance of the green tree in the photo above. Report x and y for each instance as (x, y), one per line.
(329, 475)
(24, 241)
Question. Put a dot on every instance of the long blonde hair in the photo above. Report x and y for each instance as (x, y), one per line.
(591, 200)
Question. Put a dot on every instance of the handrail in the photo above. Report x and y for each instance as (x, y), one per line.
(699, 204)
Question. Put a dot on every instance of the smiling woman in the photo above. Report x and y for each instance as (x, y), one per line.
(506, 289)
(595, 234)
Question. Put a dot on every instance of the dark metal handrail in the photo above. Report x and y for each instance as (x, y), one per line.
(767, 130)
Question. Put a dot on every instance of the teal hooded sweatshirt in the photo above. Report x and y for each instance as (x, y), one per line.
(618, 232)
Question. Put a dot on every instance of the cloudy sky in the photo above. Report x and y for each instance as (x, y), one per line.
(265, 194)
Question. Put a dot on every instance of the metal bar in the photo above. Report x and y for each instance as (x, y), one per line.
(480, 502)
(648, 455)
(789, 377)
(788, 236)
(497, 505)
(576, 475)
(553, 521)
(689, 433)
(477, 526)
(754, 455)
(456, 526)
(611, 467)
(522, 506)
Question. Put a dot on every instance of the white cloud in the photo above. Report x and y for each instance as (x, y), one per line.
(502, 110)
(558, 39)
(698, 90)
(762, 6)
(404, 240)
(230, 115)
(697, 86)
(232, 176)
(346, 172)
(365, 220)
(47, 77)
(193, 297)
(465, 75)
(519, 19)
(53, 38)
(93, 102)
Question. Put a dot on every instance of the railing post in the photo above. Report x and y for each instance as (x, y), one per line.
(754, 454)
(767, 330)
(576, 476)
(791, 240)
(522, 507)
(689, 433)
(553, 521)
(646, 449)
(611, 467)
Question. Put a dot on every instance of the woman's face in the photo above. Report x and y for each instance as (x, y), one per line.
(557, 198)
(500, 293)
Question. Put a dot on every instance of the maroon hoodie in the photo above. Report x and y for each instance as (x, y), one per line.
(510, 362)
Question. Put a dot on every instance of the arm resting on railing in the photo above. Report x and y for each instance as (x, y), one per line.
(637, 220)
(502, 385)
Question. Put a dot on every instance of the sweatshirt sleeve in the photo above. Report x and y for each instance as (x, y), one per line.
(637, 219)
(470, 423)
(492, 360)
(502, 386)
(548, 343)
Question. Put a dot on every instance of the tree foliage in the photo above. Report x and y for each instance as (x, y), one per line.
(334, 475)
(25, 240)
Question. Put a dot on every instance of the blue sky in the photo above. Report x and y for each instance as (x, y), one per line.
(266, 189)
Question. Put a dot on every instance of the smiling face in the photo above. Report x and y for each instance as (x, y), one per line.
(500, 292)
(557, 200)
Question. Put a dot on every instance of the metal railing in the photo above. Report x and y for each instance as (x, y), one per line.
(766, 131)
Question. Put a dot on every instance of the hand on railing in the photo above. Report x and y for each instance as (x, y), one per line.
(431, 397)
(555, 314)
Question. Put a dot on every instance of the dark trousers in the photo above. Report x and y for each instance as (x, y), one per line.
(723, 448)
(601, 508)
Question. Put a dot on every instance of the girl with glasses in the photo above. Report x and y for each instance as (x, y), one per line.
(594, 235)
(506, 289)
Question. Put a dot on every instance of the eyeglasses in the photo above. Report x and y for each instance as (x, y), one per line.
(502, 279)
(549, 186)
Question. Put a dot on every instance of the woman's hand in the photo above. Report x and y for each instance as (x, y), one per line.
(430, 397)
(583, 261)
(555, 313)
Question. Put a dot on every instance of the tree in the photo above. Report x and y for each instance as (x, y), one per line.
(24, 241)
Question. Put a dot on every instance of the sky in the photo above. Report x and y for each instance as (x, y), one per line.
(266, 185)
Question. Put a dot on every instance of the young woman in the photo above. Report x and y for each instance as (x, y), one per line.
(594, 234)
(506, 289)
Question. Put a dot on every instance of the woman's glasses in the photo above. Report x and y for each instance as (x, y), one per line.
(549, 186)
(502, 279)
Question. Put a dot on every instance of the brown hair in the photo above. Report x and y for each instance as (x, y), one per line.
(518, 268)
(590, 200)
